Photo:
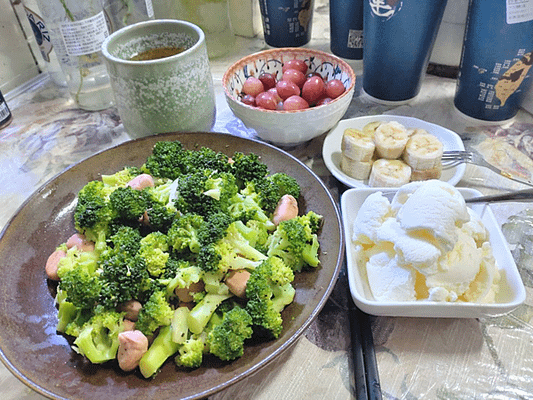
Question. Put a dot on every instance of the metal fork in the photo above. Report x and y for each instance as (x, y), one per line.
(455, 157)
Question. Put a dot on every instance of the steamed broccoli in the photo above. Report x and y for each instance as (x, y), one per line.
(246, 205)
(93, 212)
(223, 247)
(156, 312)
(296, 242)
(285, 184)
(247, 168)
(191, 353)
(128, 204)
(205, 192)
(154, 251)
(159, 351)
(226, 339)
(183, 233)
(98, 338)
(268, 290)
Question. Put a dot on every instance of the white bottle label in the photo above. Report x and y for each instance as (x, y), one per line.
(42, 36)
(84, 36)
(519, 11)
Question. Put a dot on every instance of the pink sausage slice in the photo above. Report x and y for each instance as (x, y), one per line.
(141, 182)
(52, 264)
(131, 348)
(236, 282)
(81, 242)
(286, 209)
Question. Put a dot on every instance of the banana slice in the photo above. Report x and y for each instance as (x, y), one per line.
(389, 173)
(423, 152)
(390, 139)
(358, 145)
(426, 174)
(412, 131)
(356, 169)
(371, 127)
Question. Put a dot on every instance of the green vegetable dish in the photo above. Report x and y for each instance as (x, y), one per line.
(190, 256)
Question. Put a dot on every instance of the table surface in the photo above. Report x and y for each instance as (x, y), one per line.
(416, 357)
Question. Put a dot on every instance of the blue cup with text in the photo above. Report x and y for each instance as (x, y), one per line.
(398, 38)
(346, 28)
(494, 74)
(287, 23)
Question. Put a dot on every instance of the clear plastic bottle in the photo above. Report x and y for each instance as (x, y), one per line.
(77, 29)
(50, 63)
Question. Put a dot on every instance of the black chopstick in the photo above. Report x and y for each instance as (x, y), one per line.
(367, 385)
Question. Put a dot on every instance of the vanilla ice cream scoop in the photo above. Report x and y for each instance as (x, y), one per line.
(425, 244)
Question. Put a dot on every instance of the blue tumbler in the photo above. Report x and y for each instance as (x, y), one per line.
(494, 74)
(346, 28)
(398, 39)
(287, 23)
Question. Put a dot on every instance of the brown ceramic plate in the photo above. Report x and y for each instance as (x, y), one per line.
(33, 351)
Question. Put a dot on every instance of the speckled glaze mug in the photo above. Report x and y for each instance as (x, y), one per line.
(171, 94)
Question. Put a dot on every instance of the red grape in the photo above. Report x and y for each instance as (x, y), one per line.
(295, 102)
(252, 86)
(299, 65)
(274, 91)
(268, 80)
(266, 100)
(323, 100)
(295, 76)
(249, 100)
(286, 89)
(313, 89)
(334, 88)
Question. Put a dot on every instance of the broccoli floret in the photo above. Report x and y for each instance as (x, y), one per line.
(183, 233)
(226, 339)
(160, 217)
(268, 290)
(247, 168)
(125, 240)
(205, 192)
(167, 160)
(82, 289)
(154, 251)
(223, 247)
(93, 212)
(190, 353)
(122, 177)
(77, 259)
(207, 158)
(203, 311)
(184, 275)
(156, 312)
(123, 278)
(128, 204)
(285, 184)
(162, 348)
(295, 243)
(246, 206)
(98, 338)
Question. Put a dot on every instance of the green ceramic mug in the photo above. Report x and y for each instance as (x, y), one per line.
(170, 94)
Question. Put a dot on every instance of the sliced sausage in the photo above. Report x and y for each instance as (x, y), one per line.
(184, 294)
(131, 348)
(52, 264)
(286, 209)
(141, 182)
(81, 242)
(131, 308)
(236, 281)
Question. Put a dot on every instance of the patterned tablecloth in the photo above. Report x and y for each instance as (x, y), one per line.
(418, 358)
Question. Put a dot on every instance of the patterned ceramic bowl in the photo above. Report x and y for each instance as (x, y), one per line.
(288, 128)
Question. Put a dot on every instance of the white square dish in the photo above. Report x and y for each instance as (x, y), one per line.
(512, 292)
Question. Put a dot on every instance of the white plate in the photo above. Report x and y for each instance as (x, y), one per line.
(331, 151)
(512, 292)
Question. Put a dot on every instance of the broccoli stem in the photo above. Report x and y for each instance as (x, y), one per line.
(161, 349)
(179, 325)
(202, 312)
